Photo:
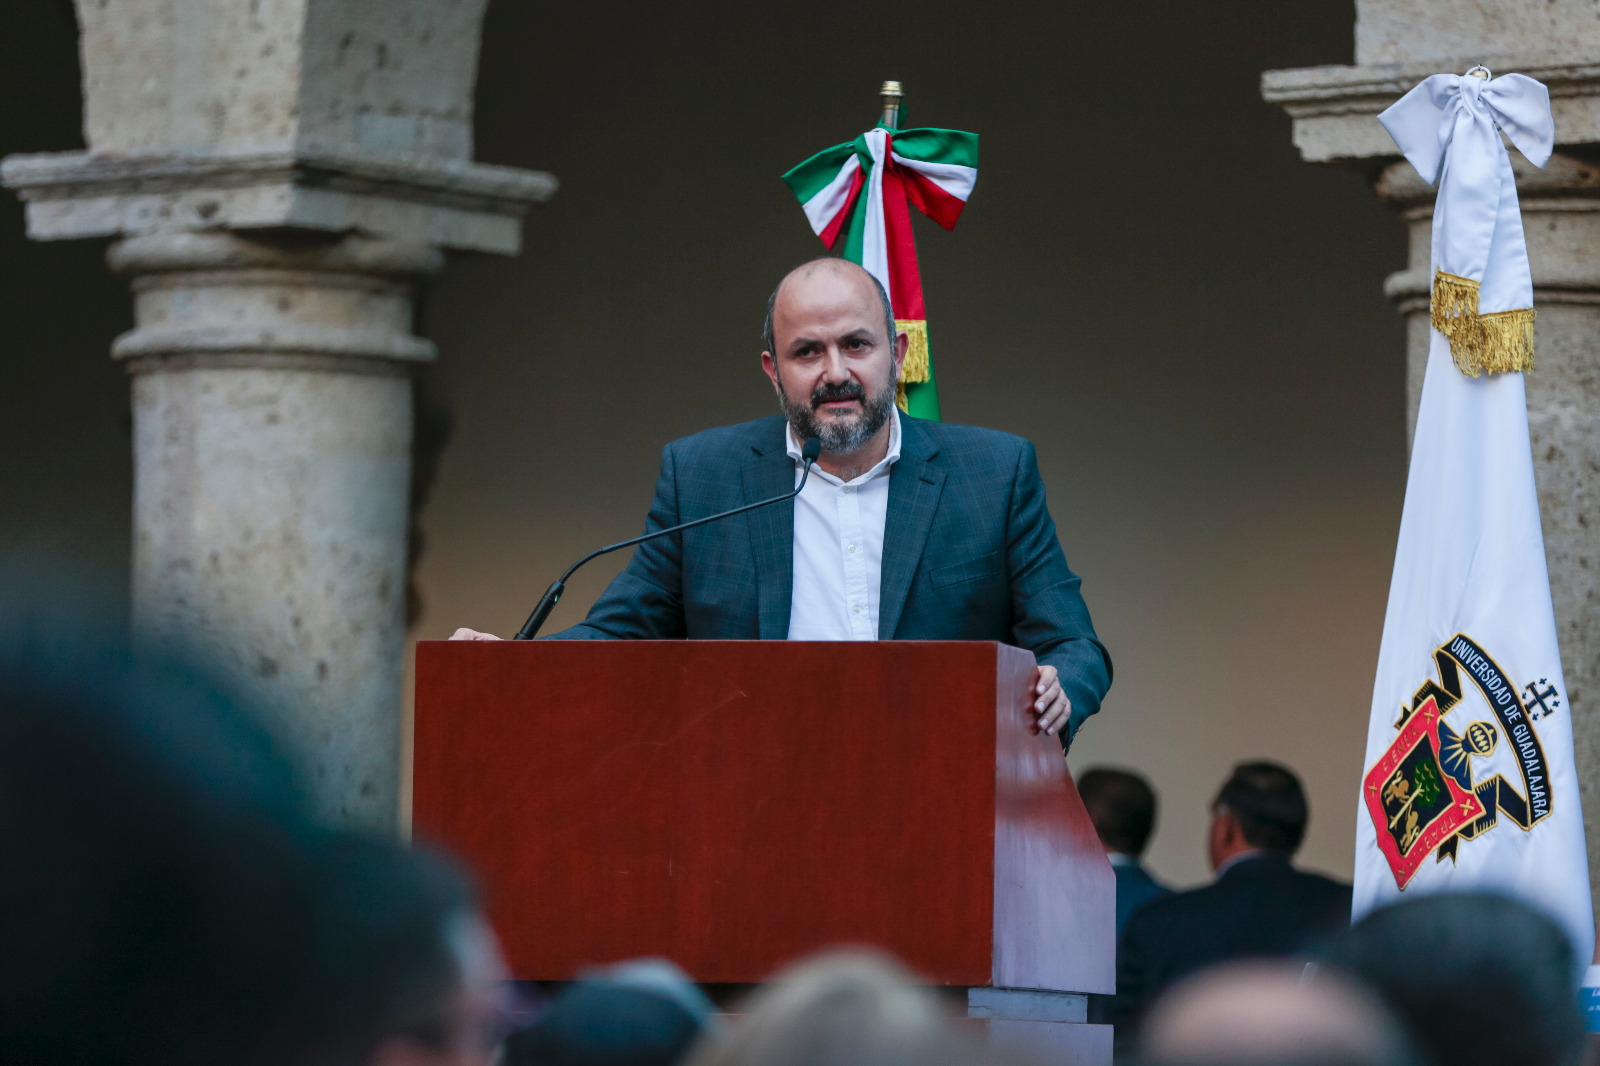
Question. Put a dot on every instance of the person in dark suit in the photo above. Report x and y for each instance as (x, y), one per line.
(1259, 906)
(906, 529)
(1122, 806)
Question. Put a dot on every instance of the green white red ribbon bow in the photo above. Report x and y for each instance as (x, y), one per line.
(859, 194)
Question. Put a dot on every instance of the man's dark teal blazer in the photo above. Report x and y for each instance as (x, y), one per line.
(969, 552)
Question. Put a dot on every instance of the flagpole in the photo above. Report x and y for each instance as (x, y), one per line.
(916, 394)
(891, 96)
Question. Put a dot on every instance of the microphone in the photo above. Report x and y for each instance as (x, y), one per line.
(547, 603)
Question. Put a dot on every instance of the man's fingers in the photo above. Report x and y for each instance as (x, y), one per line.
(1047, 697)
(1051, 709)
(472, 634)
(1055, 719)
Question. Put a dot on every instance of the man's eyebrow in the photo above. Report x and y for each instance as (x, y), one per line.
(808, 342)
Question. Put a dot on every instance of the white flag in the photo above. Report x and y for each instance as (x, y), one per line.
(1470, 781)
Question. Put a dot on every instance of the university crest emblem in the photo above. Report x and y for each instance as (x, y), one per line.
(1421, 793)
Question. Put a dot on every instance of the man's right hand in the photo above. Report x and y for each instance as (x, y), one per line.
(473, 634)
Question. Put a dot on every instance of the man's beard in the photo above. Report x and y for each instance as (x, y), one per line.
(839, 436)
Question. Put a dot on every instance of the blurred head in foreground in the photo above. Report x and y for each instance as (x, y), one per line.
(1274, 1013)
(1479, 979)
(159, 889)
(840, 1009)
(411, 973)
(165, 898)
(643, 1013)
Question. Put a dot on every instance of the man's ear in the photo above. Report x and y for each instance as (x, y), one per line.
(1232, 830)
(902, 345)
(770, 366)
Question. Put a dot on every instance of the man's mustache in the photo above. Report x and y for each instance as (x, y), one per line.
(850, 390)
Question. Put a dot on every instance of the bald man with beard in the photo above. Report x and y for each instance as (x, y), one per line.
(907, 529)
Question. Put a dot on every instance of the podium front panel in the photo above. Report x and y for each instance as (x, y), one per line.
(727, 805)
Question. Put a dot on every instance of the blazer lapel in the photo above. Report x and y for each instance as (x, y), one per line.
(770, 472)
(914, 488)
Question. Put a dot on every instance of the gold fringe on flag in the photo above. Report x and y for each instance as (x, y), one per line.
(1500, 342)
(1454, 304)
(918, 365)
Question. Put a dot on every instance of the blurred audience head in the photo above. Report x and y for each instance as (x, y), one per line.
(1261, 807)
(1478, 979)
(165, 898)
(411, 974)
(642, 1013)
(1122, 806)
(840, 1009)
(1272, 1014)
(159, 897)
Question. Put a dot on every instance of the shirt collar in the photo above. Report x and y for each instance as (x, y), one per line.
(1243, 856)
(889, 459)
(1118, 858)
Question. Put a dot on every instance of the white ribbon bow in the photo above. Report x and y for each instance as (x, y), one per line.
(1447, 128)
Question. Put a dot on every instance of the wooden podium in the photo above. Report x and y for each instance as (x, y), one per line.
(733, 805)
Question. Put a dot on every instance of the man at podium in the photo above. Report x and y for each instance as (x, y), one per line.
(905, 530)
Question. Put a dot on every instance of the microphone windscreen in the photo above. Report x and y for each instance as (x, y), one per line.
(811, 449)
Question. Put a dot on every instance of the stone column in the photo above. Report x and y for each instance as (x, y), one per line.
(1398, 43)
(276, 178)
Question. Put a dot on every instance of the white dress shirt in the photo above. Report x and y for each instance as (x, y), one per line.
(838, 548)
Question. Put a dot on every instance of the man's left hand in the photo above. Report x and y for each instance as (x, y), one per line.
(1051, 707)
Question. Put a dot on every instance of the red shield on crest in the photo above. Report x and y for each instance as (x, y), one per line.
(1415, 805)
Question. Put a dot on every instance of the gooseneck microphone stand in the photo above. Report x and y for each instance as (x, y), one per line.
(552, 595)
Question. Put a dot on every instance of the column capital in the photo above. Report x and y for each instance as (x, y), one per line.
(339, 116)
(309, 185)
(1335, 108)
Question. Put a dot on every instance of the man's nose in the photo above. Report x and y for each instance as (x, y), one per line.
(834, 367)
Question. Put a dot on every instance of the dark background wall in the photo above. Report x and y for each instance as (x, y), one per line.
(66, 461)
(1148, 283)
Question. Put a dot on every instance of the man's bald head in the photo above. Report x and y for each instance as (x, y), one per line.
(1270, 1013)
(833, 357)
(831, 266)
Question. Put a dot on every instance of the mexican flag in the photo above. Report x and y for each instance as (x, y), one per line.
(858, 198)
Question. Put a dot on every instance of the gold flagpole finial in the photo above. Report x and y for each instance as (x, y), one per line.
(892, 96)
(1481, 71)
